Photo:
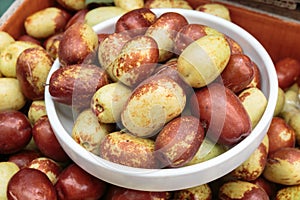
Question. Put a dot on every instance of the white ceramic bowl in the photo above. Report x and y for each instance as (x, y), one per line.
(61, 119)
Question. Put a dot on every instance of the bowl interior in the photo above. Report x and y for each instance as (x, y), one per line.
(61, 119)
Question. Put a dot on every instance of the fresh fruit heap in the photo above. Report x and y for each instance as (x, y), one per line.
(156, 88)
(34, 165)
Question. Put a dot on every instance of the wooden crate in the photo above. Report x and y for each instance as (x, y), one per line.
(280, 36)
(13, 19)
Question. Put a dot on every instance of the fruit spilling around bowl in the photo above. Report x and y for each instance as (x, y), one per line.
(166, 94)
(160, 120)
(186, 160)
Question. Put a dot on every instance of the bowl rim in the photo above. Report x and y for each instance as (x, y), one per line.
(173, 178)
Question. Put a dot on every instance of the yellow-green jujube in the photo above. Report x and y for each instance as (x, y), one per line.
(203, 60)
(100, 14)
(7, 170)
(11, 94)
(10, 54)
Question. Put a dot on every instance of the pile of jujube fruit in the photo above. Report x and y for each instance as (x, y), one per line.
(151, 97)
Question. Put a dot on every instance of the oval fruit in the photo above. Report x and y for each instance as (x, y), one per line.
(88, 131)
(242, 190)
(7, 170)
(136, 61)
(280, 135)
(10, 54)
(46, 141)
(238, 72)
(224, 114)
(75, 183)
(36, 110)
(33, 66)
(291, 103)
(203, 60)
(294, 123)
(77, 43)
(75, 84)
(126, 149)
(108, 102)
(11, 95)
(178, 141)
(283, 166)
(153, 103)
(136, 21)
(28, 183)
(46, 22)
(288, 70)
(15, 131)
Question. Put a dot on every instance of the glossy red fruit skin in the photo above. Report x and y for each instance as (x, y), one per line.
(75, 183)
(23, 157)
(288, 70)
(280, 135)
(46, 140)
(15, 131)
(226, 120)
(136, 21)
(179, 140)
(238, 73)
(75, 84)
(29, 184)
(119, 193)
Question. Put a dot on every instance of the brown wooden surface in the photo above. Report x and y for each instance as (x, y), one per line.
(280, 37)
(15, 23)
(272, 8)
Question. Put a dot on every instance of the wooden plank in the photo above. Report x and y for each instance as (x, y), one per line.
(292, 11)
(13, 19)
(278, 35)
